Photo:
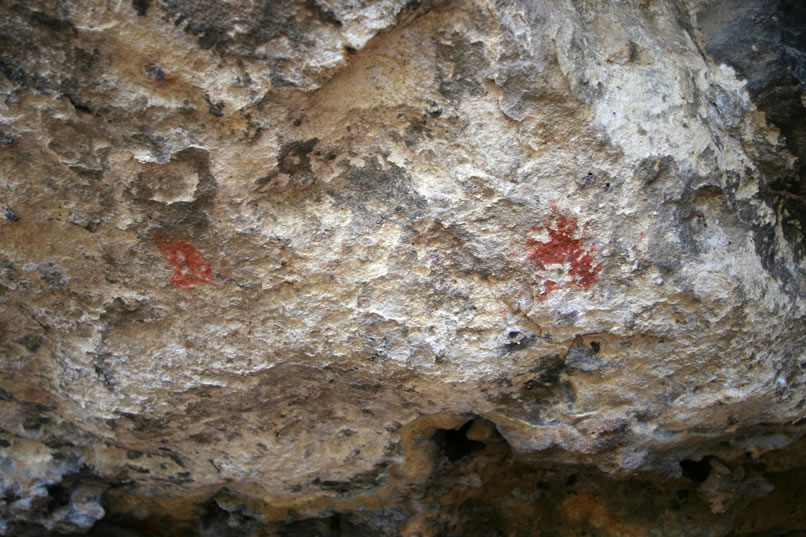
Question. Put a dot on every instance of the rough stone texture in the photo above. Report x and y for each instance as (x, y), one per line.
(468, 267)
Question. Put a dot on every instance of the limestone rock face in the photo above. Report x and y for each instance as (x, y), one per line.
(438, 268)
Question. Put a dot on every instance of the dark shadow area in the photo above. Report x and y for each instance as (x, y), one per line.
(455, 445)
(696, 470)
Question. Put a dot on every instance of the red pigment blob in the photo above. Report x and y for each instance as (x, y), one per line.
(563, 248)
(190, 267)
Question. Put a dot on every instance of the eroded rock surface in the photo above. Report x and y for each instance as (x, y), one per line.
(468, 267)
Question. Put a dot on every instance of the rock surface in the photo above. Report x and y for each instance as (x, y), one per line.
(438, 268)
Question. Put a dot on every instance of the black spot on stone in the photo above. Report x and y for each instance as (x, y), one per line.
(375, 477)
(595, 347)
(550, 370)
(4, 442)
(173, 456)
(6, 138)
(35, 423)
(143, 423)
(80, 107)
(211, 21)
(91, 174)
(31, 342)
(155, 72)
(295, 157)
(141, 7)
(104, 376)
(519, 342)
(14, 74)
(214, 108)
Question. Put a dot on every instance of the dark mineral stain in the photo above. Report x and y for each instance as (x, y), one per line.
(141, 7)
(104, 376)
(79, 106)
(173, 456)
(31, 342)
(585, 359)
(10, 215)
(214, 108)
(519, 341)
(765, 42)
(296, 156)
(155, 72)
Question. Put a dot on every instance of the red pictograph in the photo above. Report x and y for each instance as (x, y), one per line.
(562, 261)
(190, 267)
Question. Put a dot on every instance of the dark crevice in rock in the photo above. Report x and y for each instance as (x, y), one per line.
(477, 481)
(455, 445)
(696, 470)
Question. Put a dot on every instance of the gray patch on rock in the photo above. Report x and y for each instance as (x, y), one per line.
(294, 161)
(181, 218)
(468, 63)
(585, 359)
(390, 189)
(54, 275)
(765, 42)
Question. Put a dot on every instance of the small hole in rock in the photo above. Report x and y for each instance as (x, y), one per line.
(455, 444)
(696, 470)
(59, 496)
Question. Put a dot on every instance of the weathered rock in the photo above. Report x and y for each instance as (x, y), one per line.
(402, 268)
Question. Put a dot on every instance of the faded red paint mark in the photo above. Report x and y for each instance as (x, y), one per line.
(562, 261)
(190, 267)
